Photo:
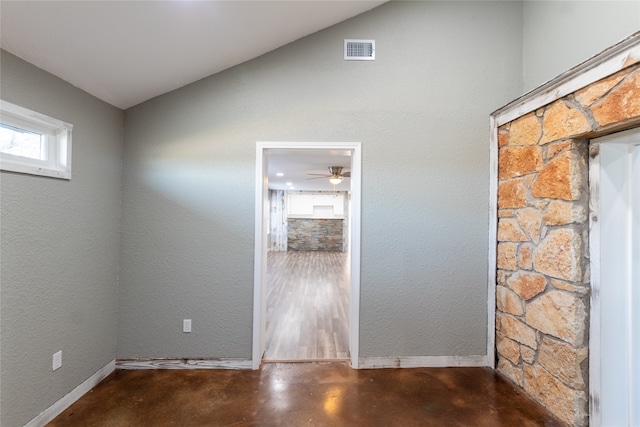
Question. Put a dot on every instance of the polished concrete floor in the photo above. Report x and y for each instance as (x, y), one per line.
(306, 394)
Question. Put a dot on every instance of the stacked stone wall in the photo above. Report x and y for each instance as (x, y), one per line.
(543, 285)
(315, 235)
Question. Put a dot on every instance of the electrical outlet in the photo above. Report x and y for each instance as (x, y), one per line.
(57, 360)
(186, 325)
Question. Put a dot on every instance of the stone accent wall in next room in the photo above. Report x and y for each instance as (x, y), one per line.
(308, 234)
(543, 286)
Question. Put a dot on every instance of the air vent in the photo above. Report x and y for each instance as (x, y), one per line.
(359, 50)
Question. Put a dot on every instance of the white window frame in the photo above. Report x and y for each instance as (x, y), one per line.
(58, 142)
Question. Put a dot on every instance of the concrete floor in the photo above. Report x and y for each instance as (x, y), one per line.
(306, 394)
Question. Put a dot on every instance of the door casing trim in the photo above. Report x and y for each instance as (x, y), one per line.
(260, 261)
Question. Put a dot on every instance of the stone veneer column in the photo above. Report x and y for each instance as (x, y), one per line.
(542, 293)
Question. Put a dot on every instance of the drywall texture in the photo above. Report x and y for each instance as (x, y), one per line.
(561, 34)
(59, 250)
(421, 112)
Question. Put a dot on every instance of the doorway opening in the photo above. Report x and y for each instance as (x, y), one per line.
(615, 279)
(294, 266)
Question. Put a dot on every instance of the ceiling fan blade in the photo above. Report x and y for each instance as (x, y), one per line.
(318, 177)
(319, 174)
(346, 174)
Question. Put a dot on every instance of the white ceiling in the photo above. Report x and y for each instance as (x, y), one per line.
(126, 52)
(296, 165)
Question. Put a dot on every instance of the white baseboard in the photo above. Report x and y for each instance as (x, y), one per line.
(57, 408)
(159, 363)
(423, 362)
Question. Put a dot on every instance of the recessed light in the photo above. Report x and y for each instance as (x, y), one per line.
(289, 184)
(279, 174)
(291, 187)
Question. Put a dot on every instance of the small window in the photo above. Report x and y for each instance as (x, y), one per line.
(33, 143)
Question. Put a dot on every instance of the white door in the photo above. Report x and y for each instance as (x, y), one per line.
(615, 267)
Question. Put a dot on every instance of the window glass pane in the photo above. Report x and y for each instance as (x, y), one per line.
(20, 142)
(33, 143)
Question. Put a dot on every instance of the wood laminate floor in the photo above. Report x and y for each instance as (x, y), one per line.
(307, 306)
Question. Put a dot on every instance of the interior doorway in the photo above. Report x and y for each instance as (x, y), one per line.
(348, 262)
(615, 276)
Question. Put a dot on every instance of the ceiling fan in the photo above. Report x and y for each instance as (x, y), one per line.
(335, 175)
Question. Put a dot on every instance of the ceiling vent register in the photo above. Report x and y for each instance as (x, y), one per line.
(359, 50)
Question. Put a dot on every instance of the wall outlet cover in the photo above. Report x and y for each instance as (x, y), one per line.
(186, 325)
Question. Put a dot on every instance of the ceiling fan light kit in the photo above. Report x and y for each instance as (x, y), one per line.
(335, 175)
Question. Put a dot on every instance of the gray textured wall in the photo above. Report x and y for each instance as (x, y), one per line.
(421, 111)
(561, 34)
(59, 250)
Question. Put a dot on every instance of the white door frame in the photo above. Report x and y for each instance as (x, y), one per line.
(619, 142)
(260, 259)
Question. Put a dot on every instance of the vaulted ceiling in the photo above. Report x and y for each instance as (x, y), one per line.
(126, 52)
